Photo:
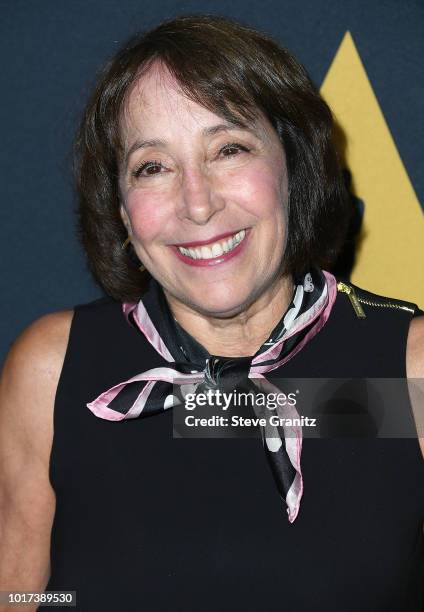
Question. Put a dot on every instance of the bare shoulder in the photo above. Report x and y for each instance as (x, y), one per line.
(29, 378)
(46, 336)
(415, 370)
(415, 349)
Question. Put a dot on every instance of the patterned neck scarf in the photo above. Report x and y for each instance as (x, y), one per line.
(190, 365)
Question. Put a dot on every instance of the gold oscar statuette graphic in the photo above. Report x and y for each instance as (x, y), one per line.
(390, 256)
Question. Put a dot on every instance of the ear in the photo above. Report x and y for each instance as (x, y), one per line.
(125, 219)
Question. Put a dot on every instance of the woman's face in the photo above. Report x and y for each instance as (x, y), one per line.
(191, 178)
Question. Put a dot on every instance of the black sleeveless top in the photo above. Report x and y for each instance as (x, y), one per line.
(145, 521)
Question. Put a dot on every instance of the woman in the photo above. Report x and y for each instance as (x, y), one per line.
(205, 153)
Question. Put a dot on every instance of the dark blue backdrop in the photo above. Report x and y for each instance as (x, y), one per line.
(51, 50)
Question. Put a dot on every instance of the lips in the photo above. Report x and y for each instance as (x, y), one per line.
(218, 253)
(206, 242)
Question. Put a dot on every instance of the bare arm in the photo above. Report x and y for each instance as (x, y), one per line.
(27, 391)
(415, 370)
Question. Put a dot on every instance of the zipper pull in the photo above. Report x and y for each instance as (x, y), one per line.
(350, 292)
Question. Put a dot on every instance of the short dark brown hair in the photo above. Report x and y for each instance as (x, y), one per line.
(222, 66)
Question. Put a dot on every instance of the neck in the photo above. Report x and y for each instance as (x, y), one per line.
(240, 335)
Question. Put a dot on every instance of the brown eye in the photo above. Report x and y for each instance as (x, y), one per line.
(232, 149)
(149, 168)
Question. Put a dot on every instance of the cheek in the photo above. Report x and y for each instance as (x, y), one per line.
(259, 191)
(148, 214)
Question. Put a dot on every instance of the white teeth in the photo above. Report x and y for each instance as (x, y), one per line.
(216, 250)
(206, 252)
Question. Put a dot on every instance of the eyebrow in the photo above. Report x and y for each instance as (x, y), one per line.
(209, 131)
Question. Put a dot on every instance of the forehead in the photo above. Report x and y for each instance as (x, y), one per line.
(154, 92)
(156, 103)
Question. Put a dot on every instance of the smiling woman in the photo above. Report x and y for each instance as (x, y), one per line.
(178, 102)
(205, 206)
(210, 201)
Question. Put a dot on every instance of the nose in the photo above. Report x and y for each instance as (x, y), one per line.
(199, 199)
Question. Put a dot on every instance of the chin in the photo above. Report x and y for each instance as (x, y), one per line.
(220, 302)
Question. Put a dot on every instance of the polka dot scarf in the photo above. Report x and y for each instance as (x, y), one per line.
(188, 365)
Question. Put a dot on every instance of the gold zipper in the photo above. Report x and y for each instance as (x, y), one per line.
(356, 301)
(350, 292)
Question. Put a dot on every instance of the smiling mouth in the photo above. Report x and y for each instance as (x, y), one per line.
(214, 250)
